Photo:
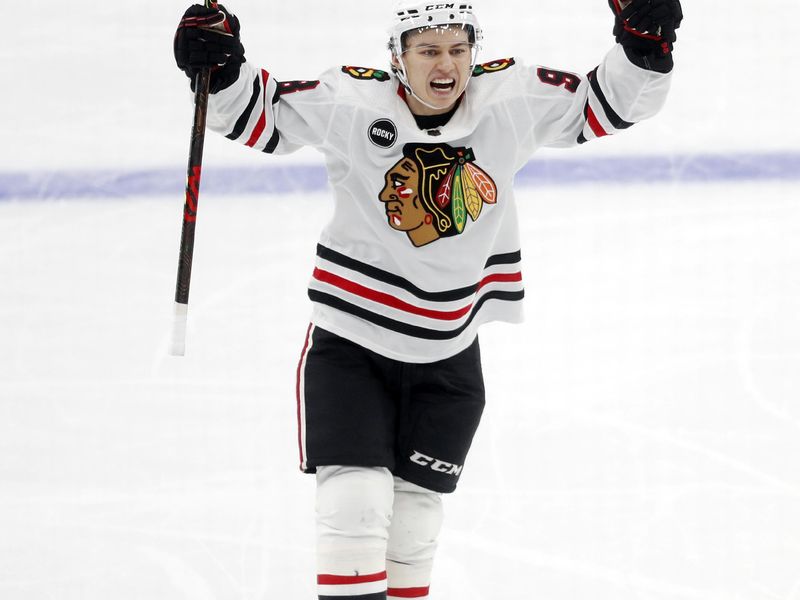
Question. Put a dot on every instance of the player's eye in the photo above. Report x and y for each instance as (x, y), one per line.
(462, 50)
(397, 182)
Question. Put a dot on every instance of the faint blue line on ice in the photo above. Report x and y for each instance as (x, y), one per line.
(286, 178)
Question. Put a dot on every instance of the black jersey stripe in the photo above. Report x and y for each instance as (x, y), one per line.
(504, 259)
(241, 122)
(340, 259)
(582, 138)
(273, 142)
(377, 274)
(407, 328)
(617, 121)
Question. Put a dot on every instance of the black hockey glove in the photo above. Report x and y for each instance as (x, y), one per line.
(646, 30)
(209, 37)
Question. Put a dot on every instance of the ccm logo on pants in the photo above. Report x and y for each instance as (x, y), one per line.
(437, 465)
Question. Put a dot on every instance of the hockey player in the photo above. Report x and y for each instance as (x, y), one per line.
(422, 248)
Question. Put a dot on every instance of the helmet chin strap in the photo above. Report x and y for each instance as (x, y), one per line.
(401, 75)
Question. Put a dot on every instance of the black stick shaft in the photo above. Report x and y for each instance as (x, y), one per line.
(192, 187)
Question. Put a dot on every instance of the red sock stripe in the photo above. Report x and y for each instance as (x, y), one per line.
(350, 579)
(418, 592)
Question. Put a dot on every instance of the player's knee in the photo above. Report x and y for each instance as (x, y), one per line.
(416, 523)
(354, 502)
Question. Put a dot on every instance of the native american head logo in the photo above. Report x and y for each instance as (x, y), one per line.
(433, 189)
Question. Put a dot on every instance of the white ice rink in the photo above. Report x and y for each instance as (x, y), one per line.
(642, 434)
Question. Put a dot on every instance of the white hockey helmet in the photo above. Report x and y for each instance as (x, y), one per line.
(412, 15)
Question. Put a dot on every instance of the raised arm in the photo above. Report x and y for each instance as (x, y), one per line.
(247, 104)
(629, 85)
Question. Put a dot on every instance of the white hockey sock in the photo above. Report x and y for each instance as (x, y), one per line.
(354, 507)
(416, 522)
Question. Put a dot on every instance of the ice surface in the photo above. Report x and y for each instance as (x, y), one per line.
(642, 434)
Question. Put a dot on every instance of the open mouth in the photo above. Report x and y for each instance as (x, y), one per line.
(443, 85)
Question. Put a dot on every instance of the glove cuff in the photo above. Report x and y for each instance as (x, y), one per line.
(650, 61)
(221, 77)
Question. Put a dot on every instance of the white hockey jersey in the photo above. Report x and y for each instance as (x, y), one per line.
(423, 245)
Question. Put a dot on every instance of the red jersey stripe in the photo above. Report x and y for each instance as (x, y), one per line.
(387, 299)
(262, 120)
(394, 302)
(594, 123)
(500, 277)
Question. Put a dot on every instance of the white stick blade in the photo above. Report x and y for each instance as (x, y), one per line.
(178, 344)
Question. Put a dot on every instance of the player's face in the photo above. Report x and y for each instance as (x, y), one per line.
(438, 63)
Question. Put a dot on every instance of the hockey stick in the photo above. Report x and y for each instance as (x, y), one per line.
(185, 257)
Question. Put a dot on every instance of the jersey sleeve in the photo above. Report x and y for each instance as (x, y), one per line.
(273, 116)
(564, 109)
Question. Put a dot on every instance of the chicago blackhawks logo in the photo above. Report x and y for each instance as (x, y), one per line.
(493, 66)
(433, 189)
(366, 73)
